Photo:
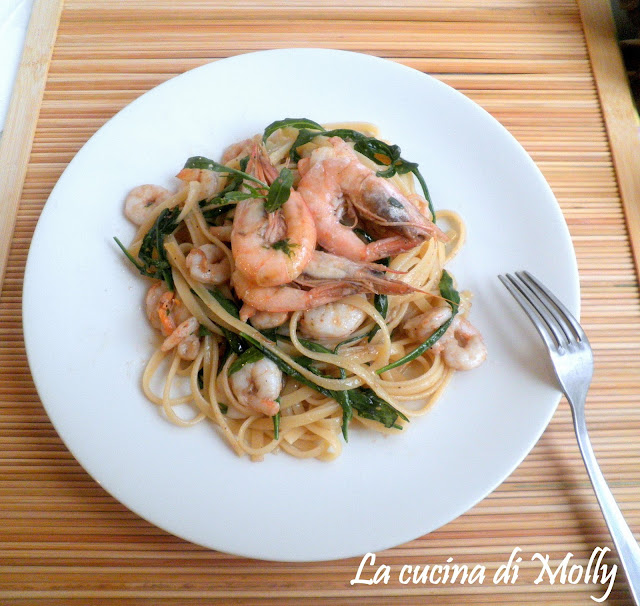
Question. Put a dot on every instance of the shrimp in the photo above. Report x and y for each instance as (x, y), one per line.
(181, 337)
(163, 309)
(169, 315)
(152, 302)
(142, 200)
(461, 346)
(237, 150)
(334, 178)
(329, 279)
(327, 268)
(208, 264)
(331, 321)
(273, 248)
(171, 312)
(258, 385)
(189, 347)
(208, 180)
(281, 299)
(264, 320)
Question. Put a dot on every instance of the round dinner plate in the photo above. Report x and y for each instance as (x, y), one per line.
(88, 339)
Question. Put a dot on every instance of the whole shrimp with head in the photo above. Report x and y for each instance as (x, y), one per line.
(334, 180)
(326, 278)
(272, 248)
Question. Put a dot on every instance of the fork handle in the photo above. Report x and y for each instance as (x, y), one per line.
(623, 539)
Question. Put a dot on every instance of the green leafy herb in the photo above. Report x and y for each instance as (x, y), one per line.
(236, 344)
(371, 406)
(203, 331)
(152, 257)
(205, 163)
(250, 356)
(451, 295)
(293, 122)
(279, 191)
(227, 304)
(381, 303)
(276, 423)
(223, 408)
(211, 214)
(285, 246)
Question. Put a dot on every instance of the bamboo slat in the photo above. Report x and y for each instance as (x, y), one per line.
(22, 115)
(64, 540)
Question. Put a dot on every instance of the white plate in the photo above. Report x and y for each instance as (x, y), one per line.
(87, 337)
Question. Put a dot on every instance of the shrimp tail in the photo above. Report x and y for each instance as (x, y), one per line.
(247, 311)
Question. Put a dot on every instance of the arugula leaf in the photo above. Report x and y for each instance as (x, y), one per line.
(229, 306)
(203, 331)
(371, 406)
(211, 214)
(236, 344)
(381, 303)
(208, 164)
(152, 257)
(452, 296)
(276, 423)
(279, 191)
(448, 292)
(293, 122)
(250, 356)
(285, 246)
(304, 137)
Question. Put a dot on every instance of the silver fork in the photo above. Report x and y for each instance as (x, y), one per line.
(572, 361)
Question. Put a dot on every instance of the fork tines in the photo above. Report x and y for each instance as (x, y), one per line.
(551, 318)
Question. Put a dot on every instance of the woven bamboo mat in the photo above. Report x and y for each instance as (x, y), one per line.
(63, 540)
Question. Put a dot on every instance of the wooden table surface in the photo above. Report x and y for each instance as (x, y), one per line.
(549, 71)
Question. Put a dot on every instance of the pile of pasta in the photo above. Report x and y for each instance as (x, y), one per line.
(289, 380)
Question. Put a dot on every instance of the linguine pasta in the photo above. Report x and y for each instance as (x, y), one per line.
(328, 385)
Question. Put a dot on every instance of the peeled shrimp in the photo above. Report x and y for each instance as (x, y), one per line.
(332, 179)
(164, 310)
(169, 315)
(258, 385)
(152, 302)
(208, 180)
(461, 346)
(142, 200)
(331, 321)
(183, 337)
(264, 320)
(329, 278)
(208, 264)
(273, 248)
(237, 150)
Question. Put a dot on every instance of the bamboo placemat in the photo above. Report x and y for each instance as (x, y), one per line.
(63, 540)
